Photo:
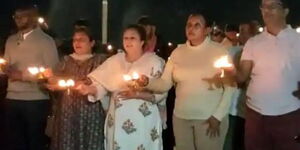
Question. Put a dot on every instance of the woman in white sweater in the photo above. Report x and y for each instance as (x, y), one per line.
(200, 114)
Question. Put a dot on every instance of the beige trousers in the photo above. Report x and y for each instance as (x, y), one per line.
(191, 135)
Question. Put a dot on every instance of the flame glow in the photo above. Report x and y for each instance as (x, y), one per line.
(62, 83)
(68, 83)
(42, 69)
(127, 77)
(222, 62)
(135, 76)
(33, 70)
(2, 61)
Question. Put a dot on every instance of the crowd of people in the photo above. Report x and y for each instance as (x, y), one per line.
(83, 100)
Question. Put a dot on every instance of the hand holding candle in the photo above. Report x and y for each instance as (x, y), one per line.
(2, 64)
(37, 71)
(132, 80)
(223, 63)
(66, 84)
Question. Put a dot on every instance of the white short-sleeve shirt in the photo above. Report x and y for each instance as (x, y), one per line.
(276, 72)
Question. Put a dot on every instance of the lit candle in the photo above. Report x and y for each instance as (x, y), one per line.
(66, 84)
(135, 76)
(37, 71)
(41, 73)
(33, 70)
(127, 77)
(2, 64)
(109, 47)
(131, 79)
(222, 63)
(70, 83)
(42, 69)
(261, 29)
(298, 30)
(62, 83)
(2, 61)
(41, 20)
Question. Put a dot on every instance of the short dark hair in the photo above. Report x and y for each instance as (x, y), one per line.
(253, 25)
(204, 15)
(86, 31)
(140, 30)
(231, 28)
(82, 23)
(145, 20)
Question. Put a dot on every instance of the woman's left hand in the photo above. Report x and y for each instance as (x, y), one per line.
(132, 94)
(128, 94)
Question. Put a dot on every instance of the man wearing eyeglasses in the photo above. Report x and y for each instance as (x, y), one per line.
(272, 62)
(26, 104)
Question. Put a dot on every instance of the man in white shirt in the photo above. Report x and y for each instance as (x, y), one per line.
(271, 60)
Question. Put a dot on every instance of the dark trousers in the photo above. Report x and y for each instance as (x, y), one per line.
(168, 134)
(26, 122)
(272, 132)
(235, 135)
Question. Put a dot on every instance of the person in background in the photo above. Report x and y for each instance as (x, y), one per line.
(26, 104)
(235, 135)
(217, 34)
(231, 38)
(154, 42)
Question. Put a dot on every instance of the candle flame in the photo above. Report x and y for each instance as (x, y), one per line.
(222, 62)
(70, 83)
(2, 61)
(127, 77)
(62, 83)
(33, 70)
(42, 69)
(222, 74)
(109, 47)
(135, 76)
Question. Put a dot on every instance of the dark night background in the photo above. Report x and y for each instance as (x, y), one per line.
(169, 15)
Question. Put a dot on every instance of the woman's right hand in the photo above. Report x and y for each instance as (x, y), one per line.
(86, 89)
(54, 87)
(143, 81)
(48, 73)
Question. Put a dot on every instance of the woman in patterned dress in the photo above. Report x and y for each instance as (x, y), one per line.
(78, 123)
(133, 120)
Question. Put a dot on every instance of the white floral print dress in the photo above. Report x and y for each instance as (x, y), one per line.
(133, 124)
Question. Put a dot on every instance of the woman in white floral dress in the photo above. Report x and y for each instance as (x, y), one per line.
(133, 120)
